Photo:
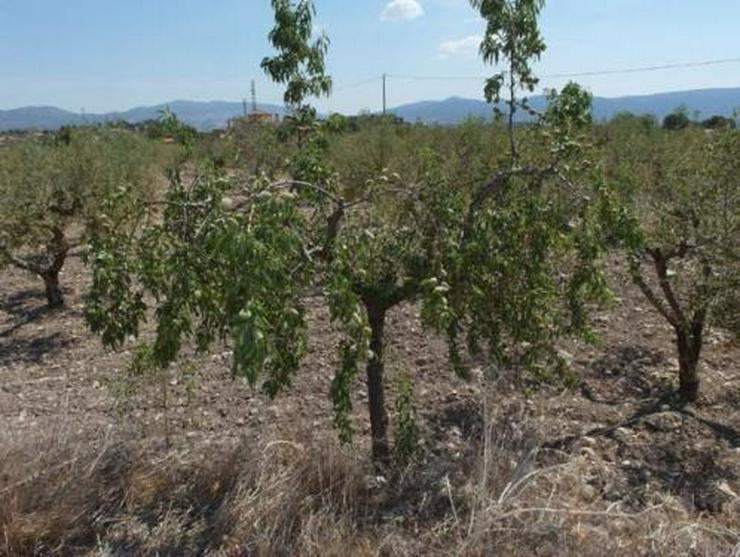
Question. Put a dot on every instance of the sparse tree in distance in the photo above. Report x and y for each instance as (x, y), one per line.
(676, 121)
(52, 193)
(681, 232)
(718, 122)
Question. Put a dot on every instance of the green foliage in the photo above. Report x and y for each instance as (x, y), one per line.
(628, 120)
(683, 190)
(256, 148)
(717, 122)
(171, 126)
(511, 33)
(55, 192)
(676, 121)
(300, 60)
(214, 273)
(346, 307)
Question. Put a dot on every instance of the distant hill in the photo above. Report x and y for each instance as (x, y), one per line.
(707, 102)
(205, 116)
(36, 117)
(214, 114)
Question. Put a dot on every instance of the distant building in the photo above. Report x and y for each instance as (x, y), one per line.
(257, 117)
(263, 117)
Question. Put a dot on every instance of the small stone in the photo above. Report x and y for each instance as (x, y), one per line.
(612, 493)
(589, 492)
(588, 441)
(622, 432)
(374, 482)
(567, 356)
(589, 452)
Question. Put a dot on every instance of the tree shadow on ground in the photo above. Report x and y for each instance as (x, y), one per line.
(26, 307)
(23, 307)
(678, 459)
(33, 350)
(20, 302)
(466, 415)
(458, 434)
(624, 374)
(682, 467)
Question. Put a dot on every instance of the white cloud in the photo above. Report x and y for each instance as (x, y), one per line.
(466, 46)
(401, 10)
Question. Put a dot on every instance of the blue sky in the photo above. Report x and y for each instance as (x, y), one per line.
(115, 54)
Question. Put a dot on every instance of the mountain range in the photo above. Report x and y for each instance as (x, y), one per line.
(705, 102)
(215, 114)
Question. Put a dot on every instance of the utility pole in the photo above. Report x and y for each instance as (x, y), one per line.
(244, 106)
(254, 97)
(384, 97)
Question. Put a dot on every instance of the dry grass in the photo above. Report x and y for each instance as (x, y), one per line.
(63, 494)
(516, 508)
(112, 499)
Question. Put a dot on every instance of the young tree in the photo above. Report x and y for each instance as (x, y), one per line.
(171, 126)
(510, 263)
(681, 231)
(52, 193)
(299, 63)
(512, 34)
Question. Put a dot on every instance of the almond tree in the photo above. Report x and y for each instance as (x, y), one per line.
(507, 265)
(680, 227)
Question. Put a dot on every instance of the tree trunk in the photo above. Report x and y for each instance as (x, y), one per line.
(376, 388)
(689, 348)
(57, 250)
(54, 295)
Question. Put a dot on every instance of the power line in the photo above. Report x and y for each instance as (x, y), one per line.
(385, 78)
(435, 77)
(578, 74)
(367, 81)
(648, 68)
(253, 90)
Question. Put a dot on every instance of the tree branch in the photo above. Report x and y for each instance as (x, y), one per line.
(18, 262)
(496, 186)
(650, 294)
(661, 268)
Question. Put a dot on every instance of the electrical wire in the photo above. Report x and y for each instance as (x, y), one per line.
(640, 69)
(357, 84)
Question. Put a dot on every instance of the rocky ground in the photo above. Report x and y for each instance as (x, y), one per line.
(637, 444)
